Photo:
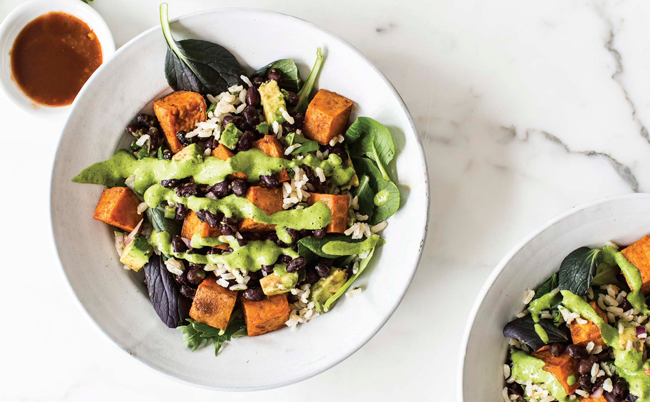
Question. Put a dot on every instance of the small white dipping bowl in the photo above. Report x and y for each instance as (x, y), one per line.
(23, 15)
(622, 219)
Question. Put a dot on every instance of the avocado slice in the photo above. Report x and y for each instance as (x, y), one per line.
(280, 281)
(136, 254)
(272, 101)
(230, 136)
(192, 152)
(326, 287)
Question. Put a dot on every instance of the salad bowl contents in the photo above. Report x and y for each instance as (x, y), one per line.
(248, 200)
(583, 335)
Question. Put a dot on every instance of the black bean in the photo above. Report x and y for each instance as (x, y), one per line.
(226, 230)
(267, 268)
(195, 275)
(178, 245)
(188, 292)
(577, 351)
(322, 270)
(610, 397)
(625, 305)
(257, 81)
(170, 183)
(208, 217)
(187, 190)
(557, 349)
(135, 130)
(246, 141)
(239, 187)
(269, 181)
(585, 365)
(320, 233)
(146, 120)
(620, 387)
(181, 212)
(325, 261)
(285, 259)
(252, 96)
(311, 277)
(181, 138)
(292, 98)
(296, 264)
(240, 239)
(585, 383)
(238, 121)
(254, 294)
(274, 75)
(220, 189)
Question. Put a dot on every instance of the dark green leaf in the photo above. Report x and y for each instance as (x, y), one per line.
(523, 330)
(365, 196)
(304, 95)
(372, 139)
(546, 287)
(290, 75)
(365, 166)
(160, 223)
(578, 269)
(198, 65)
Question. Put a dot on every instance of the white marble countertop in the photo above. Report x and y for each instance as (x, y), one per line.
(525, 109)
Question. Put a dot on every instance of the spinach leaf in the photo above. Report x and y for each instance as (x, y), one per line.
(165, 293)
(372, 139)
(305, 92)
(365, 196)
(290, 76)
(386, 189)
(546, 287)
(362, 266)
(196, 333)
(578, 269)
(160, 223)
(523, 330)
(198, 65)
(348, 246)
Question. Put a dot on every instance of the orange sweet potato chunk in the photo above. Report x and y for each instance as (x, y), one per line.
(180, 110)
(561, 367)
(118, 206)
(638, 254)
(213, 304)
(338, 205)
(327, 116)
(223, 153)
(268, 200)
(266, 315)
(582, 334)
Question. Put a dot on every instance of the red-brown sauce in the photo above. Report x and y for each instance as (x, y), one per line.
(53, 57)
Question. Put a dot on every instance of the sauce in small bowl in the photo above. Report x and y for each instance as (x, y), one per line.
(53, 57)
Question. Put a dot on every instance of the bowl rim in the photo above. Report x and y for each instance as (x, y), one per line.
(496, 272)
(423, 235)
(78, 9)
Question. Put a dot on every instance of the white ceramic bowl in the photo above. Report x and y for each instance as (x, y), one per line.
(116, 300)
(16, 21)
(622, 219)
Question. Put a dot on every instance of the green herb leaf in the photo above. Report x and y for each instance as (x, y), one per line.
(290, 75)
(304, 95)
(196, 333)
(365, 195)
(372, 139)
(362, 266)
(389, 201)
(578, 269)
(198, 65)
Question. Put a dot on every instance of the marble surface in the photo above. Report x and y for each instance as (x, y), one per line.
(525, 108)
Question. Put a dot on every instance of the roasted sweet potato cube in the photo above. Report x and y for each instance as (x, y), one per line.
(213, 304)
(268, 200)
(118, 206)
(562, 367)
(223, 153)
(638, 254)
(179, 110)
(338, 205)
(266, 315)
(327, 116)
(582, 334)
